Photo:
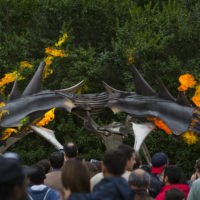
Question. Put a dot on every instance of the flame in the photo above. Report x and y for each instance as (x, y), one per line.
(61, 40)
(187, 81)
(7, 132)
(48, 116)
(196, 97)
(55, 52)
(130, 59)
(24, 64)
(190, 137)
(160, 124)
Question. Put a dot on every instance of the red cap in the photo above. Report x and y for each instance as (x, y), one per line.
(157, 170)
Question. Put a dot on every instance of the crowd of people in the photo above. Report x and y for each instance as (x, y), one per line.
(119, 176)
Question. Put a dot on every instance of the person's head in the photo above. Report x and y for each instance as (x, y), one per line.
(159, 160)
(139, 179)
(45, 165)
(38, 176)
(56, 160)
(75, 176)
(114, 163)
(174, 194)
(172, 175)
(12, 180)
(70, 150)
(130, 156)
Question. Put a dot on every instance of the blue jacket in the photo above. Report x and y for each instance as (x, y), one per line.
(112, 188)
(40, 194)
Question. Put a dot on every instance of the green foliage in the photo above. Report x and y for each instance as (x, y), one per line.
(165, 35)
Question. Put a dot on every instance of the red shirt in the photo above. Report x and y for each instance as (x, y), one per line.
(183, 187)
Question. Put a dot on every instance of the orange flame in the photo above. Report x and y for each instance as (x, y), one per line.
(187, 81)
(48, 116)
(7, 132)
(190, 137)
(160, 124)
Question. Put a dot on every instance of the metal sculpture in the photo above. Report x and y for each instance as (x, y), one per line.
(177, 114)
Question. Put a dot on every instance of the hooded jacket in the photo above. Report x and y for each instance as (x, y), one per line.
(112, 188)
(183, 187)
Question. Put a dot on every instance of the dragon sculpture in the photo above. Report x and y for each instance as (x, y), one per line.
(178, 115)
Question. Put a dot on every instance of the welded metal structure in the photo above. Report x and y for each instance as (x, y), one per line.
(177, 114)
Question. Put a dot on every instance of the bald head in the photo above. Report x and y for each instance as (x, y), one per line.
(139, 179)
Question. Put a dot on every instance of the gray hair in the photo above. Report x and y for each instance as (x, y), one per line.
(139, 178)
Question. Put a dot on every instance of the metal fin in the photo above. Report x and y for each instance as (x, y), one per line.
(72, 89)
(35, 84)
(182, 99)
(15, 94)
(141, 86)
(48, 135)
(164, 93)
(112, 91)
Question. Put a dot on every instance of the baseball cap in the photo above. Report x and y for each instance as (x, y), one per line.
(11, 170)
(158, 162)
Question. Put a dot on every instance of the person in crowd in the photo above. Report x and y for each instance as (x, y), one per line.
(45, 164)
(174, 194)
(195, 190)
(75, 176)
(130, 161)
(113, 186)
(53, 178)
(196, 175)
(139, 180)
(70, 150)
(13, 185)
(172, 175)
(159, 160)
(37, 190)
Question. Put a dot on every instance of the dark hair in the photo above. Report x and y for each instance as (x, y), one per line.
(197, 164)
(71, 150)
(127, 150)
(6, 189)
(146, 168)
(45, 165)
(75, 176)
(38, 176)
(174, 194)
(173, 173)
(140, 180)
(115, 162)
(57, 159)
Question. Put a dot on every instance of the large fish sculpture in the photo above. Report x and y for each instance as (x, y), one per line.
(177, 114)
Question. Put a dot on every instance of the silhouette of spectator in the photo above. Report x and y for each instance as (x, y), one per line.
(45, 165)
(39, 191)
(159, 160)
(75, 176)
(171, 179)
(139, 180)
(70, 150)
(53, 178)
(13, 184)
(130, 161)
(174, 194)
